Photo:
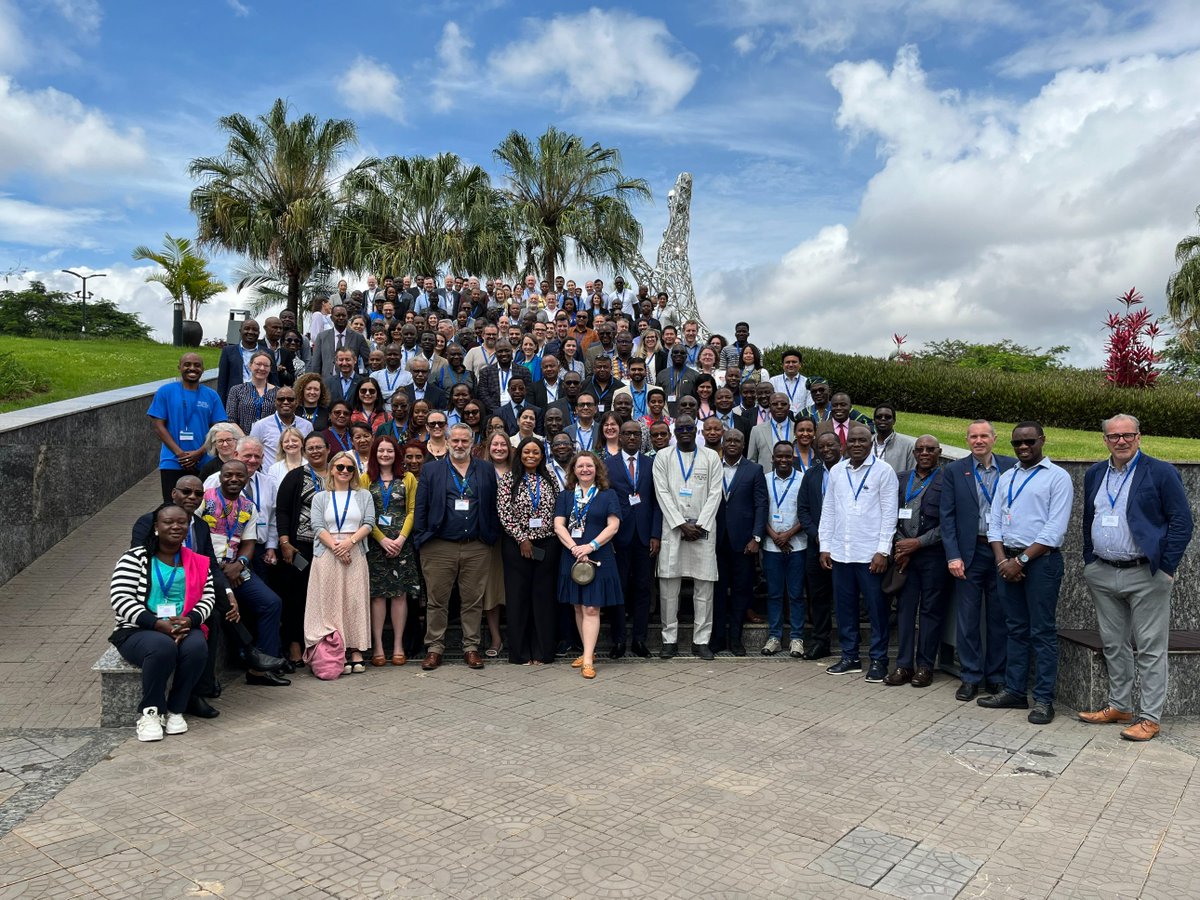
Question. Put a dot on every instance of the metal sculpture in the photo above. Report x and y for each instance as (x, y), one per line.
(673, 272)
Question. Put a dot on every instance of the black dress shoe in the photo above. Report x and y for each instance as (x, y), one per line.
(267, 679)
(966, 691)
(816, 651)
(703, 651)
(288, 667)
(201, 709)
(737, 648)
(1041, 714)
(668, 651)
(640, 649)
(995, 687)
(1004, 700)
(216, 690)
(617, 651)
(717, 646)
(264, 662)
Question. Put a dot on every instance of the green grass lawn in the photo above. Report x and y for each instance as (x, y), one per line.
(74, 368)
(1061, 443)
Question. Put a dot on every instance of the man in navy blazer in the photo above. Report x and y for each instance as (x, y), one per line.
(741, 524)
(518, 403)
(1136, 524)
(638, 539)
(967, 491)
(820, 581)
(235, 360)
(455, 523)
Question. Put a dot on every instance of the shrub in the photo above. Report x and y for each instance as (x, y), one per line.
(1005, 356)
(1064, 398)
(18, 380)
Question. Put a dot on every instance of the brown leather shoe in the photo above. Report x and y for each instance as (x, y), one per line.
(754, 618)
(431, 662)
(923, 677)
(1106, 716)
(473, 659)
(897, 677)
(1141, 730)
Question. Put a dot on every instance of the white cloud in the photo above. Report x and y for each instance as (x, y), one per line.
(241, 10)
(992, 219)
(371, 87)
(85, 15)
(597, 58)
(454, 74)
(13, 47)
(744, 43)
(48, 132)
(34, 225)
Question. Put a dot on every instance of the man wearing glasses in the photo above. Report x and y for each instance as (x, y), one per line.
(1136, 525)
(1030, 514)
(267, 431)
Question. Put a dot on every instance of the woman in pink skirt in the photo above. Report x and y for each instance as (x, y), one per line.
(339, 586)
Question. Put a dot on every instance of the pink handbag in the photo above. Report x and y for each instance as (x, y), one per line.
(327, 658)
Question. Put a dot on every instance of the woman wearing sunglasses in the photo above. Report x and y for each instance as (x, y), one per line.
(337, 435)
(437, 446)
(368, 406)
(339, 587)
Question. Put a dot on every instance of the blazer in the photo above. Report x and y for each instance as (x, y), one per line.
(590, 387)
(201, 543)
(745, 426)
(1160, 517)
(510, 417)
(333, 383)
(684, 386)
(929, 515)
(809, 502)
(229, 370)
(431, 501)
(761, 445)
(434, 395)
(960, 507)
(324, 356)
(641, 521)
(537, 394)
(742, 516)
(489, 383)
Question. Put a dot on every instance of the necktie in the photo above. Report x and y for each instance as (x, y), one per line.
(341, 343)
(632, 472)
(841, 430)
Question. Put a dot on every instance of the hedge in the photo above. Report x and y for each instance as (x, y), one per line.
(1063, 398)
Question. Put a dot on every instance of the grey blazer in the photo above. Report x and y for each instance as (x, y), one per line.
(322, 518)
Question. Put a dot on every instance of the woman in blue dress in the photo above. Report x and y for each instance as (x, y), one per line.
(586, 518)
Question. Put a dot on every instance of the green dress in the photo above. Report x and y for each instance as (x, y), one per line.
(396, 575)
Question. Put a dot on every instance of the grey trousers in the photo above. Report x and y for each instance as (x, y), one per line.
(1133, 607)
(702, 602)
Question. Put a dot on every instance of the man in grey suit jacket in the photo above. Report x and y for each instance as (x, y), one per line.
(895, 449)
(329, 341)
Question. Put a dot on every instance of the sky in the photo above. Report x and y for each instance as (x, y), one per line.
(974, 169)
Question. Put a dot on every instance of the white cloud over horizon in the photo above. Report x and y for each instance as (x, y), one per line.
(369, 86)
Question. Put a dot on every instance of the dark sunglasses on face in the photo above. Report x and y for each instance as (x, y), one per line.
(436, 424)
(367, 392)
(340, 467)
(1024, 442)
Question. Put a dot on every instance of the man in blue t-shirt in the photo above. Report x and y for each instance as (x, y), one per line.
(182, 412)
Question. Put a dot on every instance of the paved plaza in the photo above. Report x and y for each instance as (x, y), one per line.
(735, 778)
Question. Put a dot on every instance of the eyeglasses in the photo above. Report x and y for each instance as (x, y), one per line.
(471, 412)
(367, 392)
(1127, 436)
(1024, 442)
(279, 399)
(343, 468)
(436, 424)
(184, 492)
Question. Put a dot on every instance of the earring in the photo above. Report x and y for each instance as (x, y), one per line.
(156, 534)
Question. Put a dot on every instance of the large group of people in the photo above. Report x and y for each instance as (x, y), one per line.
(546, 457)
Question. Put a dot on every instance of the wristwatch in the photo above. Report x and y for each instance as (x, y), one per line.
(1023, 559)
(757, 539)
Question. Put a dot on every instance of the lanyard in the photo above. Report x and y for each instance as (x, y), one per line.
(724, 480)
(396, 432)
(279, 423)
(385, 491)
(230, 522)
(800, 463)
(560, 474)
(675, 376)
(254, 492)
(688, 474)
(346, 384)
(602, 394)
(850, 481)
(187, 541)
(909, 496)
(581, 510)
(189, 411)
(316, 479)
(1112, 498)
(259, 400)
(787, 431)
(987, 495)
(824, 481)
(170, 583)
(344, 444)
(579, 435)
(791, 391)
(340, 521)
(358, 460)
(389, 381)
(487, 360)
(505, 377)
(1028, 478)
(639, 407)
(462, 485)
(636, 463)
(775, 489)
(535, 492)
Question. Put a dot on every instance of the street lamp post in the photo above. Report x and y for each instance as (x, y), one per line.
(83, 294)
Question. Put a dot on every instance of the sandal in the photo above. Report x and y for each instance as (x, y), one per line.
(398, 659)
(589, 671)
(357, 667)
(347, 668)
(578, 662)
(493, 652)
(378, 661)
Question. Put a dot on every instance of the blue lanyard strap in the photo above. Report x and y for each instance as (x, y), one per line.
(862, 483)
(340, 521)
(1112, 498)
(344, 444)
(254, 492)
(462, 485)
(165, 587)
(535, 490)
(688, 474)
(581, 509)
(1028, 478)
(787, 431)
(987, 495)
(385, 492)
(316, 480)
(909, 496)
(775, 490)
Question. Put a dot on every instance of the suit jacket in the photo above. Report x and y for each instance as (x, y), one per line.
(431, 501)
(590, 387)
(572, 431)
(538, 394)
(489, 383)
(201, 543)
(434, 395)
(324, 357)
(1158, 512)
(960, 507)
(744, 425)
(594, 350)
(808, 508)
(900, 452)
(685, 385)
(742, 515)
(334, 385)
(230, 370)
(761, 446)
(510, 417)
(642, 521)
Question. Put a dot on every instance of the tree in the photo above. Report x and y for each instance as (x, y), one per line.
(1183, 287)
(36, 312)
(267, 290)
(419, 214)
(185, 274)
(560, 190)
(274, 195)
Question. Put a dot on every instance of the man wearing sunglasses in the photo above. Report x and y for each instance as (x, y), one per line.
(1030, 514)
(268, 430)
(1136, 524)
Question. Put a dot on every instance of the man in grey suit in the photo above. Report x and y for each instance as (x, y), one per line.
(331, 340)
(895, 449)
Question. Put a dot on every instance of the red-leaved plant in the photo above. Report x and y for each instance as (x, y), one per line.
(1130, 344)
(900, 355)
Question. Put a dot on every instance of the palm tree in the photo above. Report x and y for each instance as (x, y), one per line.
(267, 289)
(1183, 288)
(418, 214)
(560, 190)
(273, 194)
(185, 273)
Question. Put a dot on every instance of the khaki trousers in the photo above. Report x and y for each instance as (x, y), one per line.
(443, 563)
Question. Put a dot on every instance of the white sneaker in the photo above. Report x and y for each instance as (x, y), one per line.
(149, 725)
(772, 646)
(176, 724)
(796, 648)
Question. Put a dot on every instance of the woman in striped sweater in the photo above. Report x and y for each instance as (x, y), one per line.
(161, 594)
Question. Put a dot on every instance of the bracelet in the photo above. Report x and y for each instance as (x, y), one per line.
(243, 561)
(595, 546)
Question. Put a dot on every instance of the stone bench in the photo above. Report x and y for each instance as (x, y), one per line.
(1083, 674)
(121, 687)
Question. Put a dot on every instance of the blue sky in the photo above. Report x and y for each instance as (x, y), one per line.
(940, 168)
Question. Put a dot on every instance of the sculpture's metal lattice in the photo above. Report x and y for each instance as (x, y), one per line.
(673, 271)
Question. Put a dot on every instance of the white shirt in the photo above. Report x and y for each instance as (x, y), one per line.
(782, 501)
(268, 431)
(796, 390)
(627, 297)
(858, 516)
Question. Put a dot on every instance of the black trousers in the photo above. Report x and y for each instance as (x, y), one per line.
(292, 586)
(236, 633)
(735, 588)
(160, 657)
(820, 599)
(635, 567)
(530, 598)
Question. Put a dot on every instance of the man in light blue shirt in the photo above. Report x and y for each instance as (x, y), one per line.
(1031, 510)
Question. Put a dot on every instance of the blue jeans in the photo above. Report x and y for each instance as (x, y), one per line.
(1031, 606)
(785, 575)
(977, 596)
(849, 579)
(266, 608)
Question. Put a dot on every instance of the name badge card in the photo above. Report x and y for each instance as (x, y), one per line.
(635, 499)
(385, 520)
(166, 610)
(906, 513)
(186, 436)
(670, 398)
(1110, 521)
(685, 492)
(777, 518)
(462, 505)
(535, 522)
(576, 533)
